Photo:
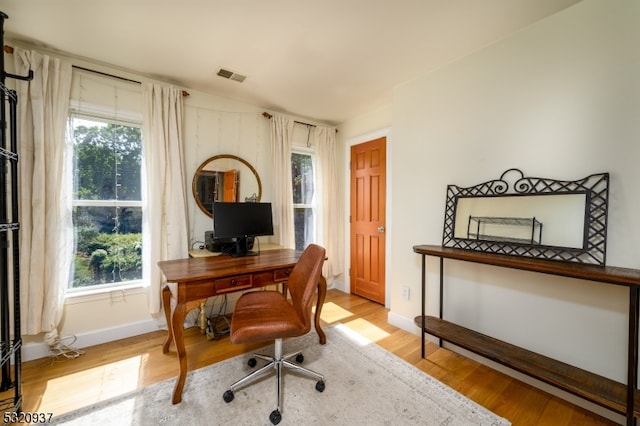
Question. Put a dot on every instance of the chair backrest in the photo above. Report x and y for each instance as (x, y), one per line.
(303, 280)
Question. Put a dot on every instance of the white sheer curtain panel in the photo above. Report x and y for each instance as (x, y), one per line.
(281, 137)
(165, 217)
(332, 227)
(46, 230)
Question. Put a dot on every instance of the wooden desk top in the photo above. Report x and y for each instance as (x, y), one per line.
(213, 267)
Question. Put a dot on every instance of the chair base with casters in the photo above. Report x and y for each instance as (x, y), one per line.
(278, 363)
(262, 316)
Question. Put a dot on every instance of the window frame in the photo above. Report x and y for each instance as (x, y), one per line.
(79, 293)
(314, 201)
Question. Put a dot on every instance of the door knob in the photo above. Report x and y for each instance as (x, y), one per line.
(381, 229)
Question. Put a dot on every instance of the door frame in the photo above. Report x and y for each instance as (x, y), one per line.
(382, 133)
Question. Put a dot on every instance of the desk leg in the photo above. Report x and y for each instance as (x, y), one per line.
(322, 293)
(166, 305)
(175, 323)
(177, 326)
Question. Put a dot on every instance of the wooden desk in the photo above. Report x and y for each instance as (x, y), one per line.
(193, 279)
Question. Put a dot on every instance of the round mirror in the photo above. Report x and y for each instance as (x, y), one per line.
(225, 178)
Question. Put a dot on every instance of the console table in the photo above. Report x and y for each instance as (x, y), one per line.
(194, 279)
(618, 397)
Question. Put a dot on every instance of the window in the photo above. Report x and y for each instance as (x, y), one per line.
(302, 176)
(107, 202)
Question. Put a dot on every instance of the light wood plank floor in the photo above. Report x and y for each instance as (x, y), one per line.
(113, 368)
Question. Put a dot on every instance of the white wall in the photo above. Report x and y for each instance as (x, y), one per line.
(367, 123)
(214, 126)
(558, 99)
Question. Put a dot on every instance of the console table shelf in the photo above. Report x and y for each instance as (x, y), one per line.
(618, 397)
(595, 388)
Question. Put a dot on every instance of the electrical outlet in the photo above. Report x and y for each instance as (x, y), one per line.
(406, 294)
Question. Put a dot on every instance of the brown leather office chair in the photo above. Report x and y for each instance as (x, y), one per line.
(268, 315)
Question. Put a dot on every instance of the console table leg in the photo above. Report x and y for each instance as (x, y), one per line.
(424, 297)
(441, 293)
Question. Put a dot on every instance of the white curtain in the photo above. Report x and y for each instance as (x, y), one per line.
(165, 218)
(46, 230)
(326, 148)
(281, 137)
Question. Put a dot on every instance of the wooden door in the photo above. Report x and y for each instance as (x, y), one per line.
(230, 191)
(367, 217)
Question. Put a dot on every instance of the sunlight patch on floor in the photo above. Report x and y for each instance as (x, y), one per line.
(334, 313)
(366, 330)
(90, 386)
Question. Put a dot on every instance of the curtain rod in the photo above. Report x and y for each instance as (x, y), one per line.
(267, 115)
(9, 50)
(184, 92)
(78, 67)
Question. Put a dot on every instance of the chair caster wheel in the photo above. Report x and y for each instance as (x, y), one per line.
(320, 386)
(228, 396)
(252, 362)
(299, 358)
(275, 417)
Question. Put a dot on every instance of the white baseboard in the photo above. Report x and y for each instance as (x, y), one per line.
(403, 323)
(408, 325)
(37, 350)
(338, 284)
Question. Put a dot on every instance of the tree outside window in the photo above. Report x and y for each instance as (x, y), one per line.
(107, 202)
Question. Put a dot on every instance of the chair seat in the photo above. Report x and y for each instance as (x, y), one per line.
(264, 316)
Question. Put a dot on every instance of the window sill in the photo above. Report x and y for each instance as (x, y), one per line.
(89, 295)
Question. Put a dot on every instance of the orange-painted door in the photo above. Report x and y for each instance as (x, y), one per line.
(368, 204)
(230, 186)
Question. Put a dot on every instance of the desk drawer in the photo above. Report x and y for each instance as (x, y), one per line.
(240, 282)
(280, 275)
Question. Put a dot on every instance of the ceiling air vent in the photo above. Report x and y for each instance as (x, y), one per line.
(231, 75)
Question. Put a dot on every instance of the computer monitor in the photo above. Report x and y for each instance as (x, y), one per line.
(242, 222)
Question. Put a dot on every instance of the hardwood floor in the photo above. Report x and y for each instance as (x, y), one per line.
(113, 368)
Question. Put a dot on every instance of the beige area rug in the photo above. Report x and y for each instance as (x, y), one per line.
(365, 385)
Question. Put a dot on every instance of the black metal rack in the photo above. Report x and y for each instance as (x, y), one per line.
(482, 223)
(10, 337)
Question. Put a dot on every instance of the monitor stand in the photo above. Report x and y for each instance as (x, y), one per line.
(243, 246)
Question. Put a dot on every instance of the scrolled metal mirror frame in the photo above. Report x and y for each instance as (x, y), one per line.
(217, 157)
(596, 188)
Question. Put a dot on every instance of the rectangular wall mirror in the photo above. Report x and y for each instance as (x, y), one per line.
(556, 220)
(532, 217)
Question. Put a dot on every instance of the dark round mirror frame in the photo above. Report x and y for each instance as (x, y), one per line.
(211, 159)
